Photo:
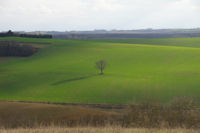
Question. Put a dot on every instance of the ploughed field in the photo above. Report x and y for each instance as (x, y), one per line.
(137, 70)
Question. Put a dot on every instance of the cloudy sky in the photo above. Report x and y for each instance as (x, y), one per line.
(62, 15)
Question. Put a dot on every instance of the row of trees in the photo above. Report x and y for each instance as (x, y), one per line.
(12, 34)
(35, 36)
(7, 34)
(13, 48)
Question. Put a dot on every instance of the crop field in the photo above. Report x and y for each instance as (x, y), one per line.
(137, 70)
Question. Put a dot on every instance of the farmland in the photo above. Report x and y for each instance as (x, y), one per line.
(137, 70)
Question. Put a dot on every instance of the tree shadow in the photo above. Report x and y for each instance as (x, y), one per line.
(73, 79)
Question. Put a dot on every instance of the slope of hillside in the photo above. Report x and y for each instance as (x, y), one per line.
(179, 42)
(65, 72)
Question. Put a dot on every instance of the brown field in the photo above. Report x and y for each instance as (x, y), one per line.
(97, 130)
(34, 115)
(19, 114)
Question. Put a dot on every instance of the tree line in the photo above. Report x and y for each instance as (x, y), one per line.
(13, 48)
(12, 34)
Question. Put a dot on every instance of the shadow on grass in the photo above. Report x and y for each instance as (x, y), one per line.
(74, 79)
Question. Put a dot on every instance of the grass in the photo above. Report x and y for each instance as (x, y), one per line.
(97, 130)
(179, 42)
(8, 59)
(153, 69)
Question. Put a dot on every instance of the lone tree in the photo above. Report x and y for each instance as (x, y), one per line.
(101, 65)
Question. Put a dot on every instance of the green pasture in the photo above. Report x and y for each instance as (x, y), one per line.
(179, 42)
(64, 71)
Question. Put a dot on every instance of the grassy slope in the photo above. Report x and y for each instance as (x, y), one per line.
(65, 72)
(7, 59)
(185, 42)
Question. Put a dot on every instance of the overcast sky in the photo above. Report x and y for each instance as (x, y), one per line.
(62, 15)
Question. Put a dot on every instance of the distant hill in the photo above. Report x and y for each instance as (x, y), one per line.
(113, 34)
(123, 35)
(25, 34)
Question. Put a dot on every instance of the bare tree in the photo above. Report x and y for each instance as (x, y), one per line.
(101, 65)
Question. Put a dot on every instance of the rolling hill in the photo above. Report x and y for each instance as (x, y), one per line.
(137, 70)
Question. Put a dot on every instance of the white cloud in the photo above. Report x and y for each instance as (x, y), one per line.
(98, 14)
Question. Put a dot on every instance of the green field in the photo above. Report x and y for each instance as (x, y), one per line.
(179, 42)
(137, 70)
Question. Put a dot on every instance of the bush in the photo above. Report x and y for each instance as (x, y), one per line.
(179, 113)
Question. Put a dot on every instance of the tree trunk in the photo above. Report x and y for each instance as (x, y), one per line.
(101, 71)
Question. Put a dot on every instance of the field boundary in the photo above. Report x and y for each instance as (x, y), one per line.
(87, 105)
(99, 106)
